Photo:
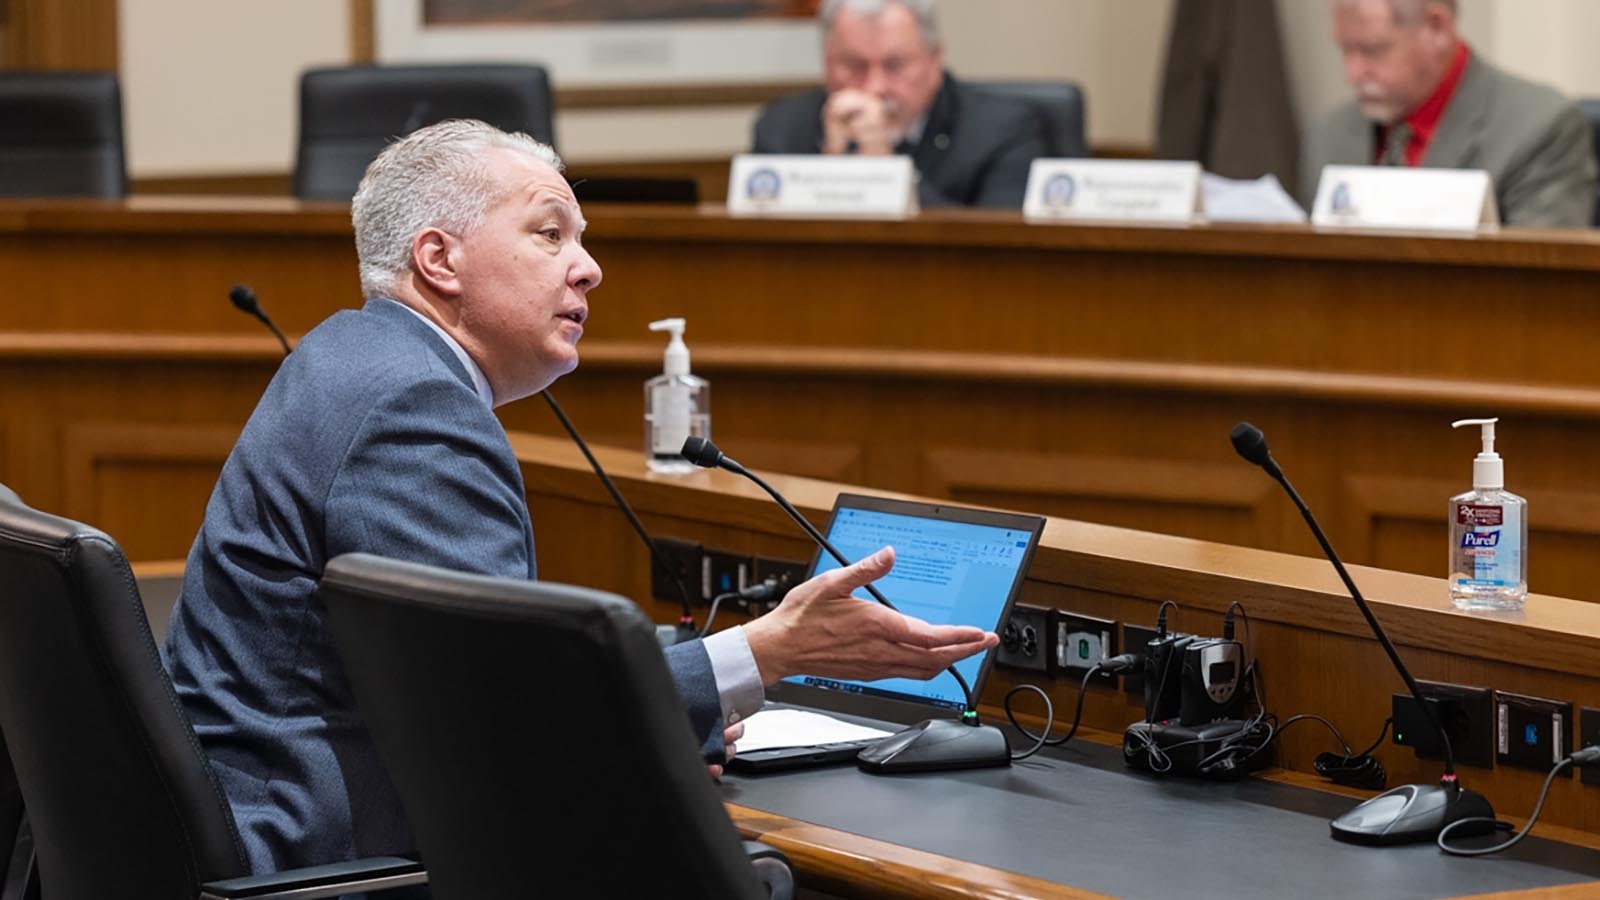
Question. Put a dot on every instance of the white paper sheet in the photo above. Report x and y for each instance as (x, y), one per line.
(1259, 200)
(772, 728)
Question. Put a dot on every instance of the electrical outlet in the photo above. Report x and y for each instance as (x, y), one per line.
(1025, 639)
(1588, 736)
(766, 567)
(1533, 733)
(1135, 637)
(682, 559)
(723, 573)
(1466, 714)
(1082, 641)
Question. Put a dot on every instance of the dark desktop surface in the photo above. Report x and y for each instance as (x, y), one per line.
(1078, 817)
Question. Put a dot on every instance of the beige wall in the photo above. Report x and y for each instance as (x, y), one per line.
(209, 86)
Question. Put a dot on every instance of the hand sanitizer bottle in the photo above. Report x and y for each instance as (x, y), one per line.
(1488, 535)
(677, 405)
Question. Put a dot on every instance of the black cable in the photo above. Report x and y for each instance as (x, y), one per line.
(616, 495)
(1114, 664)
(711, 614)
(1499, 825)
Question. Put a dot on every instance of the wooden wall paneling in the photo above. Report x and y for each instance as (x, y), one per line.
(145, 485)
(1212, 501)
(50, 34)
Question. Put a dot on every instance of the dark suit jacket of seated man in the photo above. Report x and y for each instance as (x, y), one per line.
(975, 148)
(377, 434)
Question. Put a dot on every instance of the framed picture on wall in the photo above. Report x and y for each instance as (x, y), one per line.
(612, 43)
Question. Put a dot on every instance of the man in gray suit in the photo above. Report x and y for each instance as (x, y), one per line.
(886, 92)
(377, 435)
(1423, 98)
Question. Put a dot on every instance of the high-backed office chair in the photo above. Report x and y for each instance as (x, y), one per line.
(1591, 111)
(61, 135)
(120, 800)
(349, 113)
(1059, 105)
(535, 737)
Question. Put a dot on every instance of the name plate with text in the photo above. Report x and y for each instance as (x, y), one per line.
(782, 185)
(1411, 198)
(1138, 190)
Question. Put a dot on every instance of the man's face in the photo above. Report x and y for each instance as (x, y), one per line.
(525, 279)
(1392, 67)
(884, 55)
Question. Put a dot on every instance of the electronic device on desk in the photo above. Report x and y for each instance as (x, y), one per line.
(954, 566)
(1197, 692)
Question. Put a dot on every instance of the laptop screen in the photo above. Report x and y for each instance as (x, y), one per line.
(953, 566)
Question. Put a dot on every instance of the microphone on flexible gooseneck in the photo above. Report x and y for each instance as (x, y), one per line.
(964, 745)
(244, 299)
(1412, 812)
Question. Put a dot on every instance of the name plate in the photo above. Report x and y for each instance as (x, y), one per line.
(1139, 190)
(1411, 198)
(781, 185)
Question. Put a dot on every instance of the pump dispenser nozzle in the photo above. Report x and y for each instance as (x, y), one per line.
(1488, 470)
(676, 359)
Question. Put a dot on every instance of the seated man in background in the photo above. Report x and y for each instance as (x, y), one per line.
(887, 93)
(377, 435)
(1423, 98)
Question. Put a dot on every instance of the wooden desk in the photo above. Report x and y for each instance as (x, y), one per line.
(1316, 651)
(1084, 371)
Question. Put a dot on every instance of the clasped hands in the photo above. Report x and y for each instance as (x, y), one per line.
(856, 121)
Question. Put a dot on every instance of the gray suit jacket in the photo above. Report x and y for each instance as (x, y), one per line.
(975, 149)
(1533, 141)
(370, 438)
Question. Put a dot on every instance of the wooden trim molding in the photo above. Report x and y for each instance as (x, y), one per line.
(363, 39)
(860, 866)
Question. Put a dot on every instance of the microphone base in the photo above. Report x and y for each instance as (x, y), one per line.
(1413, 813)
(937, 745)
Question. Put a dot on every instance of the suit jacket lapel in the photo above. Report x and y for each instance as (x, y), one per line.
(943, 114)
(1455, 144)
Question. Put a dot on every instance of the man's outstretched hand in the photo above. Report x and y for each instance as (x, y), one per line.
(821, 629)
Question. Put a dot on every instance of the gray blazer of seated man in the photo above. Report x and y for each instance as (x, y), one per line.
(1534, 142)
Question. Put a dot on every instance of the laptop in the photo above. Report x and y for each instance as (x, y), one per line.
(954, 565)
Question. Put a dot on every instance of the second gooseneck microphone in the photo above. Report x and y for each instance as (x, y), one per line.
(936, 744)
(1412, 812)
(244, 299)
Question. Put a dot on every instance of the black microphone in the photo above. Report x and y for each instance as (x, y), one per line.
(667, 635)
(933, 745)
(1411, 812)
(244, 299)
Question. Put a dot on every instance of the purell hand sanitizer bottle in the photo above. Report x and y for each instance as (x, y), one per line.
(676, 405)
(1488, 535)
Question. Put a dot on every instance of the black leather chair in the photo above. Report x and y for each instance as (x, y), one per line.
(1060, 107)
(61, 135)
(1591, 111)
(120, 800)
(535, 737)
(349, 113)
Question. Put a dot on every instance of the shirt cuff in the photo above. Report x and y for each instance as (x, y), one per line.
(738, 680)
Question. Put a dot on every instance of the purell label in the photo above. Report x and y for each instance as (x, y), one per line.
(1474, 515)
(1490, 544)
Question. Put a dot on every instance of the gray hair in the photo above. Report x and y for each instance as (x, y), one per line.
(1408, 12)
(926, 13)
(435, 177)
